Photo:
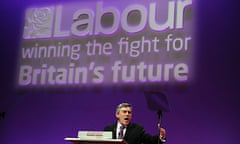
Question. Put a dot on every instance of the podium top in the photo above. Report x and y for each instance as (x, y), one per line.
(95, 141)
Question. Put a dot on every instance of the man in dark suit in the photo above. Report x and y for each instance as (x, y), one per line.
(132, 133)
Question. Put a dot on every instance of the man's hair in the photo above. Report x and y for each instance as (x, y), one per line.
(121, 105)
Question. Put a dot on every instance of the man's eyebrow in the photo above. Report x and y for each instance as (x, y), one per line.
(126, 111)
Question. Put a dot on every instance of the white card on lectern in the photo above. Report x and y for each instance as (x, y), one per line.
(95, 134)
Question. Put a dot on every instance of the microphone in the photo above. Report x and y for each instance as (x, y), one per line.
(159, 112)
(157, 101)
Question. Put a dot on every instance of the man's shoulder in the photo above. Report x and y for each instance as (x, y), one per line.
(135, 125)
(109, 127)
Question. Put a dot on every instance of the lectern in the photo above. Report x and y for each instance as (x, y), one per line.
(95, 141)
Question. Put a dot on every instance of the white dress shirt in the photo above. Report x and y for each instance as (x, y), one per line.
(118, 129)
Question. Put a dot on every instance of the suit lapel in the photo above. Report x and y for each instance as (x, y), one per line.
(115, 131)
(128, 130)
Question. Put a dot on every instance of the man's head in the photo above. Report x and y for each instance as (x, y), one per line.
(124, 113)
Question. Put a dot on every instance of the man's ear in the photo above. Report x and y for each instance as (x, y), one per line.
(117, 114)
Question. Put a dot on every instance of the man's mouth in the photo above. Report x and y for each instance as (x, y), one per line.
(126, 118)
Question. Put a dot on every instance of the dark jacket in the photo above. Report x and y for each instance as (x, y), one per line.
(135, 134)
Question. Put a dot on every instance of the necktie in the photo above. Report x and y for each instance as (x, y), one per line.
(120, 134)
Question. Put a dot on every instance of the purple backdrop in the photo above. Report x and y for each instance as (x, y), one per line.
(201, 112)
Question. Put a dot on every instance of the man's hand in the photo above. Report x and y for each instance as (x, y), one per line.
(162, 135)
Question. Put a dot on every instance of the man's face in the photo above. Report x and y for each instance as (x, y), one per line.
(124, 116)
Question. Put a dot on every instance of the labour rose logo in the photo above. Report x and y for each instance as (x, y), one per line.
(38, 23)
